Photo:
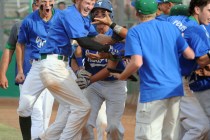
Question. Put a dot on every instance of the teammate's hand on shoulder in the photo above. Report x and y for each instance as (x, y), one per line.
(82, 73)
(20, 78)
(83, 82)
(3, 82)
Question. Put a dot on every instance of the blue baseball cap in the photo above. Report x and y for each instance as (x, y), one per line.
(173, 1)
(159, 1)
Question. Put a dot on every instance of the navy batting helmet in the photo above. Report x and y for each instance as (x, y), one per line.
(104, 4)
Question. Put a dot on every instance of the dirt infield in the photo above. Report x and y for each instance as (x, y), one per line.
(9, 117)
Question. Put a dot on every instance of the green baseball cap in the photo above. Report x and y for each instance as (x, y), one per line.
(179, 9)
(145, 7)
(173, 1)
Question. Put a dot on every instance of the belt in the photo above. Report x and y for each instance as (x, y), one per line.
(34, 60)
(59, 57)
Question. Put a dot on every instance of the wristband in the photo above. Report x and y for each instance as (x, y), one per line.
(79, 61)
(117, 29)
(112, 25)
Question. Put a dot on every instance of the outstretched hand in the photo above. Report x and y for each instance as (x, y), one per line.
(106, 20)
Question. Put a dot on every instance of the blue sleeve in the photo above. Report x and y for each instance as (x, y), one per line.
(119, 46)
(92, 31)
(132, 44)
(23, 33)
(182, 44)
(197, 40)
(76, 25)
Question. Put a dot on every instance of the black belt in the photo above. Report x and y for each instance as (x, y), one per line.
(59, 57)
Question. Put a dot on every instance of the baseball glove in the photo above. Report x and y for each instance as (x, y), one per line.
(81, 73)
(83, 82)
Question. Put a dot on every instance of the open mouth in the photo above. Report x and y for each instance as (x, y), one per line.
(47, 10)
(86, 11)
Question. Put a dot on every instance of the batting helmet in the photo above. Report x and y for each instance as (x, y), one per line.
(104, 4)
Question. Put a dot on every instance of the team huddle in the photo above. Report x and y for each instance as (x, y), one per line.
(66, 55)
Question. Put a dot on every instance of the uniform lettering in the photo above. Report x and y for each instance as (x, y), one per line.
(40, 42)
(179, 24)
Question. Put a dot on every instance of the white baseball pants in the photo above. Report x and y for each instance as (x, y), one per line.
(115, 94)
(57, 78)
(42, 108)
(194, 122)
(204, 98)
(157, 120)
(101, 123)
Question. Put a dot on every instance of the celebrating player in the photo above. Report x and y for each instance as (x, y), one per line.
(100, 87)
(43, 106)
(33, 32)
(192, 126)
(152, 52)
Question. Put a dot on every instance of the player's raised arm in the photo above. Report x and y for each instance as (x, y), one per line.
(121, 31)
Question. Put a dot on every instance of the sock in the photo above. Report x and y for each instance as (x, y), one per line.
(25, 126)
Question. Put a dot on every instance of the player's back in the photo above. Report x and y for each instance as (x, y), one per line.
(163, 38)
(159, 43)
(181, 22)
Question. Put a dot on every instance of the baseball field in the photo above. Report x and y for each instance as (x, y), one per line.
(9, 127)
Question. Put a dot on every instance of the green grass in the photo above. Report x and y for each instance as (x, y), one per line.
(9, 133)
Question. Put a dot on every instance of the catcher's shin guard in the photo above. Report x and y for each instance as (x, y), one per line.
(25, 126)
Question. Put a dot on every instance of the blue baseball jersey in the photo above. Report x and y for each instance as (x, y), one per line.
(70, 24)
(202, 83)
(34, 31)
(196, 39)
(94, 66)
(162, 17)
(159, 43)
(26, 61)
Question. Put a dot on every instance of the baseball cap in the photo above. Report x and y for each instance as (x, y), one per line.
(145, 7)
(179, 9)
(173, 1)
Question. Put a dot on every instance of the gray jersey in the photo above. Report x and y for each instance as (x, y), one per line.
(14, 34)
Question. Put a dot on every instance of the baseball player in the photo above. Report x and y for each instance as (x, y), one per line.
(43, 106)
(61, 5)
(201, 85)
(160, 87)
(194, 126)
(33, 31)
(53, 43)
(103, 87)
